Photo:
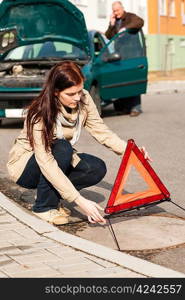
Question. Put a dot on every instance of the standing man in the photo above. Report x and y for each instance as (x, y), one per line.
(120, 20)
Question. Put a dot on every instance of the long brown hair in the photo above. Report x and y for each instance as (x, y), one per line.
(46, 106)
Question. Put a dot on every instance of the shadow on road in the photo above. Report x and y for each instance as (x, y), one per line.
(109, 111)
(12, 124)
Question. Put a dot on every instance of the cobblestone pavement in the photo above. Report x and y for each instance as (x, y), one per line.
(25, 253)
(30, 247)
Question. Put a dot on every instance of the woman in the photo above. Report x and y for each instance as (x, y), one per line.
(43, 156)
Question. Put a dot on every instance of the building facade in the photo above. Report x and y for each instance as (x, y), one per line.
(166, 34)
(164, 27)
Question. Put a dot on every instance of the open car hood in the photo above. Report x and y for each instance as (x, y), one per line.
(23, 22)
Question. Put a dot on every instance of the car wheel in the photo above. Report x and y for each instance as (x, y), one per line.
(0, 122)
(94, 92)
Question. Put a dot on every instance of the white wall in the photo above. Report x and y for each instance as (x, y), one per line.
(139, 7)
(90, 11)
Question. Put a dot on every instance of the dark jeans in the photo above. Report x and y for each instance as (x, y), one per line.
(89, 171)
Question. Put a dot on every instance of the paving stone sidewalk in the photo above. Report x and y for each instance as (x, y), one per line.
(32, 248)
(25, 253)
(164, 87)
(160, 83)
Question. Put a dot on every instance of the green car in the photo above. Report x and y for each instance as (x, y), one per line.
(118, 68)
(35, 35)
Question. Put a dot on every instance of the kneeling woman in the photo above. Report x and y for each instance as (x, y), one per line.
(43, 157)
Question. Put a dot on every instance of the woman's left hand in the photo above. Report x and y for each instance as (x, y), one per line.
(145, 153)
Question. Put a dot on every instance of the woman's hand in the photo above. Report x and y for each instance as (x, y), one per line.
(90, 208)
(145, 153)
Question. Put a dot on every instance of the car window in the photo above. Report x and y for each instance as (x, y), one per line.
(106, 40)
(98, 45)
(127, 45)
(47, 49)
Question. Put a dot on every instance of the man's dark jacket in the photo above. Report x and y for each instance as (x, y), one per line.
(128, 21)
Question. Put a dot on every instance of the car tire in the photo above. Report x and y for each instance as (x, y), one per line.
(0, 122)
(94, 92)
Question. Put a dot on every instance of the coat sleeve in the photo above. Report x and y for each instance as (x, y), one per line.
(111, 31)
(97, 128)
(50, 169)
(134, 22)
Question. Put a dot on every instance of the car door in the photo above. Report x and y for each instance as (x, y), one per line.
(121, 67)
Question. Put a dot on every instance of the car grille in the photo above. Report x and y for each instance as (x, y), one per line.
(21, 82)
(13, 104)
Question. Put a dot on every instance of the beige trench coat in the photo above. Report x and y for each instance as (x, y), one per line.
(22, 151)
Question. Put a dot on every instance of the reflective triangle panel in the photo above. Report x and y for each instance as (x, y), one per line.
(155, 191)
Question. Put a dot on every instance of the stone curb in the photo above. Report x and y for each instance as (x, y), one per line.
(125, 260)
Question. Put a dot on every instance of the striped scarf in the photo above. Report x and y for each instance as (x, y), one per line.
(70, 120)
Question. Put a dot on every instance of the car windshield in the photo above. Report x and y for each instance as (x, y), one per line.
(46, 50)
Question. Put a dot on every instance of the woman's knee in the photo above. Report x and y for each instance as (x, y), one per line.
(95, 168)
(97, 171)
(100, 169)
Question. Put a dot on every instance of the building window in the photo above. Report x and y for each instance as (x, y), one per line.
(162, 8)
(171, 46)
(182, 7)
(102, 8)
(183, 11)
(182, 43)
(172, 8)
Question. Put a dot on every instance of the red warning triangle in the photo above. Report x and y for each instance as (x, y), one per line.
(155, 192)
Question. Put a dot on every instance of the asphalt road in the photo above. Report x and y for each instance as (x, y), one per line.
(160, 128)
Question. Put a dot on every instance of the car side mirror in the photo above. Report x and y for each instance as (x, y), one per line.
(112, 57)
